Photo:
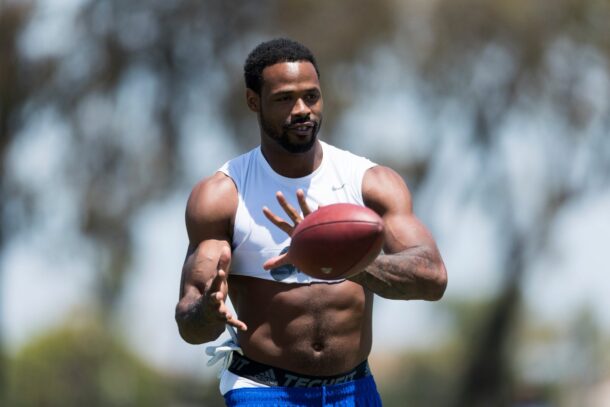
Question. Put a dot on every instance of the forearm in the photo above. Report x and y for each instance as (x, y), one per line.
(416, 273)
(195, 323)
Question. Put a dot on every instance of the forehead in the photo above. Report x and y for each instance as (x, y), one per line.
(287, 76)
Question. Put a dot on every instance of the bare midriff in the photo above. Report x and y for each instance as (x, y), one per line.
(313, 329)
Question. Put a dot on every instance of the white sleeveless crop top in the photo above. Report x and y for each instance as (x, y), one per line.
(255, 238)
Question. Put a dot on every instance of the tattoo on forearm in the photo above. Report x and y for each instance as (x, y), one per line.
(406, 275)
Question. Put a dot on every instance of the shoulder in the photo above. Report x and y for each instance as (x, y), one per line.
(210, 208)
(236, 167)
(347, 162)
(339, 152)
(210, 191)
(383, 189)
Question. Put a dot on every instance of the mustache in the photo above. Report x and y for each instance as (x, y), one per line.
(301, 120)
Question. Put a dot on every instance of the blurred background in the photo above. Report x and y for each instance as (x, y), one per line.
(496, 113)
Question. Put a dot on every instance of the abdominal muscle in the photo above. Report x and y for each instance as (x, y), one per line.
(313, 329)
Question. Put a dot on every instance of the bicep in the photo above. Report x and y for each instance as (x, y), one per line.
(385, 192)
(210, 209)
(209, 216)
(405, 231)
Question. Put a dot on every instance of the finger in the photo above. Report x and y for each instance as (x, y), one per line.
(276, 261)
(217, 282)
(289, 209)
(223, 313)
(224, 261)
(222, 267)
(303, 202)
(277, 221)
(216, 298)
(237, 324)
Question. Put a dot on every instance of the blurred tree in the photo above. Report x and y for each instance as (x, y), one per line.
(82, 364)
(125, 77)
(117, 82)
(11, 94)
(505, 62)
(122, 86)
(425, 378)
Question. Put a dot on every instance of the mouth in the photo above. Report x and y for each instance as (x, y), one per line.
(302, 129)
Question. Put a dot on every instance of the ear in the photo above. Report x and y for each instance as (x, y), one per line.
(253, 100)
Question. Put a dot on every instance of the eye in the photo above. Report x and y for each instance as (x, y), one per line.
(283, 98)
(312, 97)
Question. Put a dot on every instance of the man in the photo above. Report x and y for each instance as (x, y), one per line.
(300, 341)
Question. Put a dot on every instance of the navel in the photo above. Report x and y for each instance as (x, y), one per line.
(317, 346)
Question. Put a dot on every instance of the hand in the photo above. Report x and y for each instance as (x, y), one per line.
(290, 211)
(216, 294)
(285, 226)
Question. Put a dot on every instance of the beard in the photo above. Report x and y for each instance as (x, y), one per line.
(282, 138)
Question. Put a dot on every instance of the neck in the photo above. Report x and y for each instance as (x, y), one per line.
(292, 165)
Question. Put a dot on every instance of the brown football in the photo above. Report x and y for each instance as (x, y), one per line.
(336, 241)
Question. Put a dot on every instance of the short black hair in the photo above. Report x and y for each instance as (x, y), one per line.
(270, 53)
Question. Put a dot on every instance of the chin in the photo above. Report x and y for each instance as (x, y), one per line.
(295, 148)
(299, 147)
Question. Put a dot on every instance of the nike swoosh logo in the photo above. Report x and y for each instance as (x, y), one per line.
(339, 187)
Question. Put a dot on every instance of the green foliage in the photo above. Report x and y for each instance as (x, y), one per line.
(82, 365)
(425, 378)
(495, 60)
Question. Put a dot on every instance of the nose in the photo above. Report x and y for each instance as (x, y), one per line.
(300, 108)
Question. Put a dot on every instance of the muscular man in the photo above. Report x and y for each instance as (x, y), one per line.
(300, 341)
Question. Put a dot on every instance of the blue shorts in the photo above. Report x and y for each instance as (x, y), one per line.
(357, 393)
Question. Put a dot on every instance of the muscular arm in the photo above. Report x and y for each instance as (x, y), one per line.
(412, 267)
(201, 312)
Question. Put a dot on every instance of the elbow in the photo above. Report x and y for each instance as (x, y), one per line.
(189, 338)
(185, 325)
(183, 314)
(186, 333)
(437, 284)
(191, 328)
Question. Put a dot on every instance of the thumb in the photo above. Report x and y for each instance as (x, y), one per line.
(276, 261)
(224, 261)
(222, 270)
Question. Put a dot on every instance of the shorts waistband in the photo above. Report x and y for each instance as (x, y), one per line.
(274, 376)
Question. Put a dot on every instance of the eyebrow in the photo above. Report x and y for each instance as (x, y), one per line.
(290, 92)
